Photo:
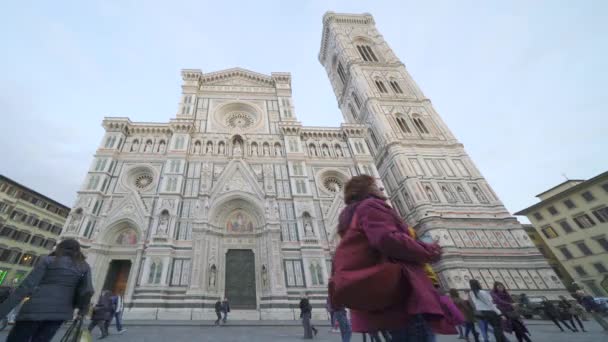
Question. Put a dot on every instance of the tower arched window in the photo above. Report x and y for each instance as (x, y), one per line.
(374, 139)
(356, 99)
(420, 125)
(353, 113)
(341, 73)
(396, 88)
(381, 86)
(367, 53)
(403, 125)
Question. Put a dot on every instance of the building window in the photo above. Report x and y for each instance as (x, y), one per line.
(600, 268)
(584, 221)
(552, 210)
(566, 226)
(381, 86)
(367, 53)
(603, 242)
(569, 204)
(588, 196)
(420, 126)
(293, 273)
(538, 216)
(353, 113)
(300, 186)
(341, 73)
(580, 271)
(356, 99)
(298, 169)
(180, 272)
(566, 252)
(601, 214)
(316, 273)
(584, 249)
(549, 232)
(155, 273)
(403, 125)
(374, 138)
(605, 187)
(396, 88)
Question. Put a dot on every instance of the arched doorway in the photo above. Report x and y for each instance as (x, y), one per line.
(117, 277)
(240, 278)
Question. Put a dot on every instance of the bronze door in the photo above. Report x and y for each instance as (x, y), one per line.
(240, 279)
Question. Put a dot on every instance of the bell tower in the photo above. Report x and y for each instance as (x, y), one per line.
(428, 175)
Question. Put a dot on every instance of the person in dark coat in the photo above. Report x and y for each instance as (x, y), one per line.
(568, 311)
(58, 284)
(218, 311)
(306, 315)
(553, 314)
(468, 312)
(225, 309)
(102, 313)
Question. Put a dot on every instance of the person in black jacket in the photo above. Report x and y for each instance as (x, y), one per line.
(218, 311)
(58, 284)
(306, 315)
(225, 309)
(554, 315)
(102, 313)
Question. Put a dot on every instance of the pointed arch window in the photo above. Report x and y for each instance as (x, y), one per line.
(367, 53)
(341, 73)
(156, 269)
(420, 125)
(403, 125)
(353, 113)
(374, 138)
(356, 99)
(381, 86)
(396, 88)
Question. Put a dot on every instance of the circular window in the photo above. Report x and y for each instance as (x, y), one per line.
(239, 120)
(143, 181)
(332, 184)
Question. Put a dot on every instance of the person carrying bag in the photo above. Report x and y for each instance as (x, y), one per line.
(379, 269)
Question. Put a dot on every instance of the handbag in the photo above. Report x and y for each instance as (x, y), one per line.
(76, 333)
(363, 279)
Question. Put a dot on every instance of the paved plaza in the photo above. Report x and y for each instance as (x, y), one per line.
(541, 331)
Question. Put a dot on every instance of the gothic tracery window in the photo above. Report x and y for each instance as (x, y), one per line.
(396, 88)
(381, 86)
(403, 125)
(420, 125)
(341, 73)
(367, 53)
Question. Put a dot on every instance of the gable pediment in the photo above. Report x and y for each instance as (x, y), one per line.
(237, 176)
(237, 77)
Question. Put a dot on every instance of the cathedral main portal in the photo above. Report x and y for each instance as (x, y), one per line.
(240, 278)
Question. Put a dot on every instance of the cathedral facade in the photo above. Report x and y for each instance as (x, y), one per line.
(234, 198)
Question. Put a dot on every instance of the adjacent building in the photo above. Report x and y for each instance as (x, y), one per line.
(541, 244)
(30, 225)
(234, 197)
(572, 220)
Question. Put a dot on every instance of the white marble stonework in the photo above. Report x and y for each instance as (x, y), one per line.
(234, 170)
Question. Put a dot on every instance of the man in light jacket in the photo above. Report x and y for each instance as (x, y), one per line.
(119, 306)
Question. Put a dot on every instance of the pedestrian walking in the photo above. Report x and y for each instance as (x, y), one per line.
(218, 311)
(340, 315)
(332, 318)
(485, 307)
(504, 302)
(102, 314)
(58, 284)
(554, 315)
(118, 303)
(592, 308)
(379, 268)
(225, 309)
(569, 312)
(468, 312)
(306, 316)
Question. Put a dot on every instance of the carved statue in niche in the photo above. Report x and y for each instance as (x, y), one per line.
(161, 146)
(209, 149)
(135, 146)
(264, 277)
(277, 150)
(339, 152)
(212, 276)
(325, 151)
(480, 196)
(75, 221)
(447, 194)
(254, 149)
(197, 147)
(148, 147)
(163, 223)
(221, 148)
(237, 149)
(266, 150)
(312, 150)
(307, 221)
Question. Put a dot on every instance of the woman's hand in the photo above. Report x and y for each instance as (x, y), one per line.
(435, 250)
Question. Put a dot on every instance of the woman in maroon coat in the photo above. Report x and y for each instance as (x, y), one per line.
(383, 232)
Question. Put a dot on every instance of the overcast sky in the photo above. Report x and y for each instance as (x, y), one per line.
(521, 83)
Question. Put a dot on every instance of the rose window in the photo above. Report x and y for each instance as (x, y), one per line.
(239, 120)
(143, 181)
(332, 184)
